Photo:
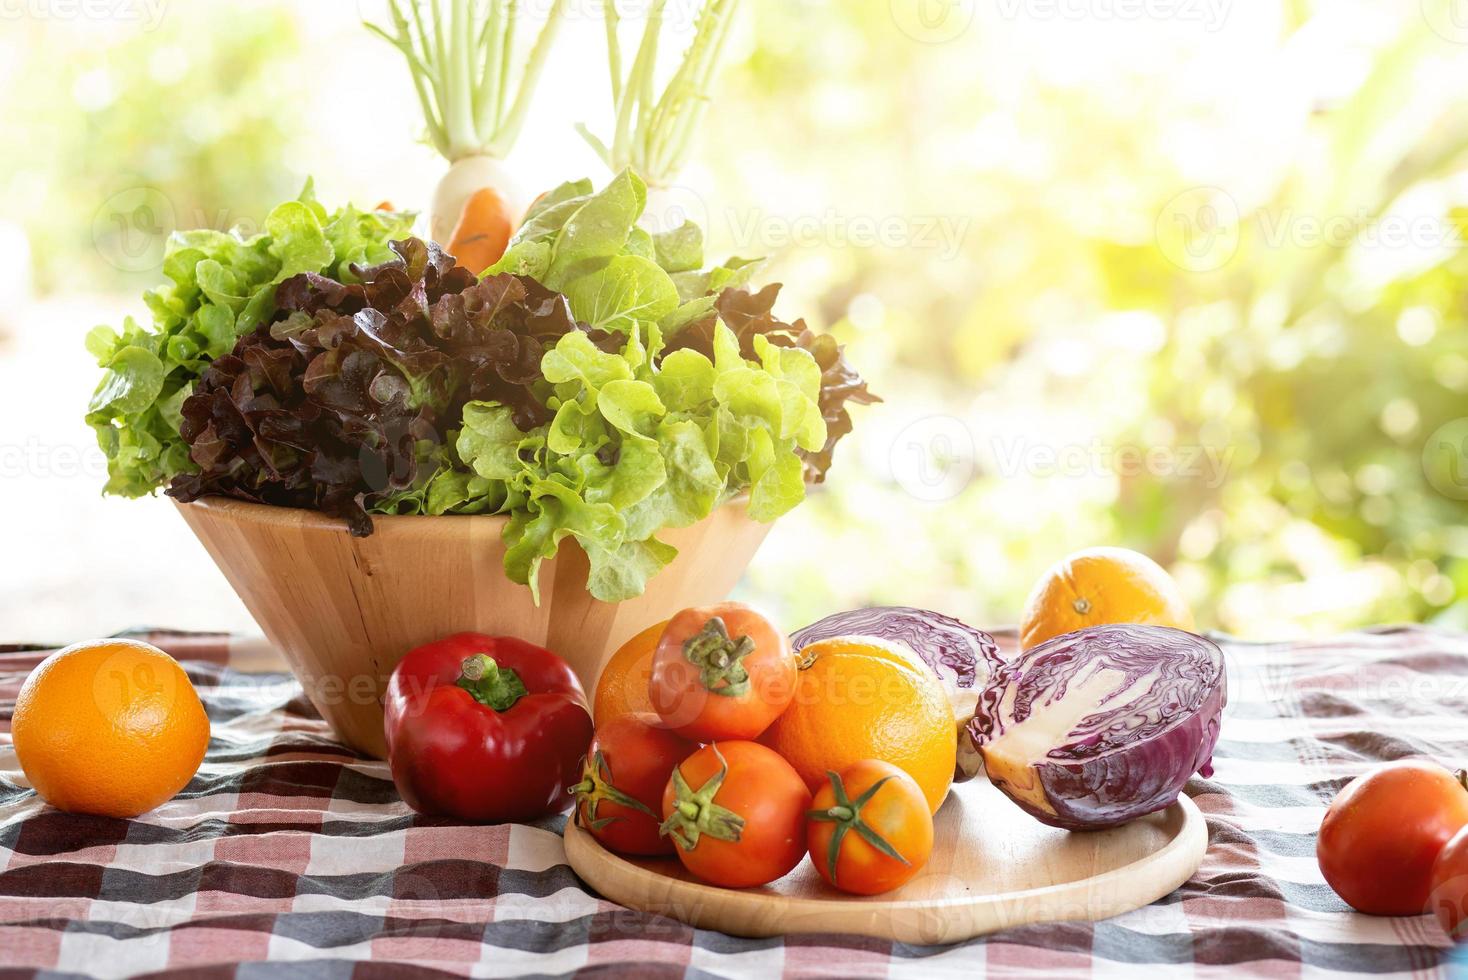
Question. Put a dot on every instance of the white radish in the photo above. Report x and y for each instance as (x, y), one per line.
(467, 175)
(459, 55)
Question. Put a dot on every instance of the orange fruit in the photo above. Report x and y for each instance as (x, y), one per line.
(622, 687)
(1100, 586)
(859, 698)
(111, 727)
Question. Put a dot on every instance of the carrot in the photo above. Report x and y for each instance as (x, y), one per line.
(483, 231)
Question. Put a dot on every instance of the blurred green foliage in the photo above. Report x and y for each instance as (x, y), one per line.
(1234, 253)
(1291, 307)
(192, 120)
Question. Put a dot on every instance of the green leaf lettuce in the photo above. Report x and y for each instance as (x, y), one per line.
(220, 286)
(636, 448)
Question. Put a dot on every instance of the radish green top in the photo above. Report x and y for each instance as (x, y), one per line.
(460, 53)
(654, 133)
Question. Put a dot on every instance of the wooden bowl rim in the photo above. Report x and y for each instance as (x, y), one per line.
(245, 511)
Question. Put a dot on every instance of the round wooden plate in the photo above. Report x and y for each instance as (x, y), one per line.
(993, 867)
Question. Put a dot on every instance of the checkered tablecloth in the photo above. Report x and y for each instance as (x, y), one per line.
(288, 850)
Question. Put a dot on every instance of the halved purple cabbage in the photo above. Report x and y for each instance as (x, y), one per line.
(960, 655)
(1101, 726)
(963, 658)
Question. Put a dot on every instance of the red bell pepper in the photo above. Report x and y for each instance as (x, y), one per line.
(486, 729)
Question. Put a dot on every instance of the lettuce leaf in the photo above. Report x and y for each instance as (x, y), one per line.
(759, 333)
(220, 287)
(339, 403)
(597, 383)
(617, 276)
(638, 446)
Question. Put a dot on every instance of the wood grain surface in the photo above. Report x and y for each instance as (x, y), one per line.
(344, 610)
(993, 867)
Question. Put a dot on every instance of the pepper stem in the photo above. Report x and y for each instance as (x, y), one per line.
(846, 815)
(695, 813)
(490, 684)
(720, 658)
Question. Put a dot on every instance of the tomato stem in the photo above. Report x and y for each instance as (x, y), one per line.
(720, 658)
(695, 813)
(846, 815)
(596, 788)
(490, 684)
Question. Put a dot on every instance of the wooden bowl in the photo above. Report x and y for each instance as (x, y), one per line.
(344, 610)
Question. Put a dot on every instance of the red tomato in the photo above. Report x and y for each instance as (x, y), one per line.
(870, 828)
(736, 811)
(621, 789)
(1383, 832)
(721, 672)
(1449, 895)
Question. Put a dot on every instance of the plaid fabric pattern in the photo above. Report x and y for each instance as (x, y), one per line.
(288, 854)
